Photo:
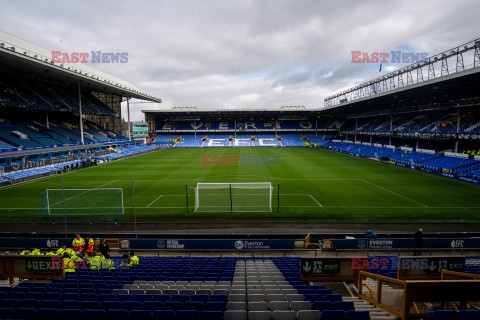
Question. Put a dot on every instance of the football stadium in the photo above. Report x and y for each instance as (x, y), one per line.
(116, 203)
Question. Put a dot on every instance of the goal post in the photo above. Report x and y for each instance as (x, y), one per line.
(233, 197)
(81, 205)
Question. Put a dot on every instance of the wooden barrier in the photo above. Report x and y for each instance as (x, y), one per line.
(413, 299)
(31, 267)
(453, 275)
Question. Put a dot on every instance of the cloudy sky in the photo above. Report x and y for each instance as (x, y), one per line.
(242, 53)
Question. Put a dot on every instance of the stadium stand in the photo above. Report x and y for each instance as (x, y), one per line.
(198, 287)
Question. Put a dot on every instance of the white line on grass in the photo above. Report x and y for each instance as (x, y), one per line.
(316, 206)
(315, 201)
(155, 200)
(376, 185)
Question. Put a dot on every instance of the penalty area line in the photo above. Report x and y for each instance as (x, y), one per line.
(155, 200)
(315, 201)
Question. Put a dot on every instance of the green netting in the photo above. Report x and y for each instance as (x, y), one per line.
(81, 205)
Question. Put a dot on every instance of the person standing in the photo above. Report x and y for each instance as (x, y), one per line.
(418, 238)
(78, 243)
(104, 248)
(89, 246)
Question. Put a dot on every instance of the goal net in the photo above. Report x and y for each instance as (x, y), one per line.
(233, 197)
(81, 205)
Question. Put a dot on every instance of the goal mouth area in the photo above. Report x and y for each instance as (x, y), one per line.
(89, 205)
(233, 197)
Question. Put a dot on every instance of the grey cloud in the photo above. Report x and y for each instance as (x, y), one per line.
(241, 52)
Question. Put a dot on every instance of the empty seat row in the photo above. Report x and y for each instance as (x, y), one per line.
(294, 305)
(111, 314)
(296, 315)
(128, 305)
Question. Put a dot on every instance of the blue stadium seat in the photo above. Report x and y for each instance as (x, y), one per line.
(215, 306)
(162, 297)
(111, 305)
(219, 297)
(48, 313)
(164, 315)
(94, 314)
(194, 305)
(173, 305)
(314, 297)
(143, 297)
(152, 305)
(200, 297)
(180, 297)
(52, 296)
(118, 314)
(133, 305)
(343, 305)
(71, 304)
(322, 305)
(29, 303)
(51, 304)
(442, 315)
(332, 297)
(469, 315)
(211, 315)
(12, 303)
(357, 315)
(35, 295)
(6, 313)
(333, 315)
(26, 313)
(188, 315)
(107, 297)
(140, 314)
(91, 305)
(16, 295)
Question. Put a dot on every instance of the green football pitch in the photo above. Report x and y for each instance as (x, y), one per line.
(315, 185)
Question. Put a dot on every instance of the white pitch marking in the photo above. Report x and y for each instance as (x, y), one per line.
(155, 200)
(376, 185)
(315, 201)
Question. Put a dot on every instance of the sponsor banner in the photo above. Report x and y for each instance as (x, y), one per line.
(405, 243)
(214, 244)
(39, 243)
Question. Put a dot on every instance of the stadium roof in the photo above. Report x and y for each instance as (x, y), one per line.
(20, 54)
(192, 113)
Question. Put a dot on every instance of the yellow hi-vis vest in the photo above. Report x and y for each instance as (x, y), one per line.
(95, 263)
(60, 252)
(134, 260)
(106, 264)
(69, 265)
